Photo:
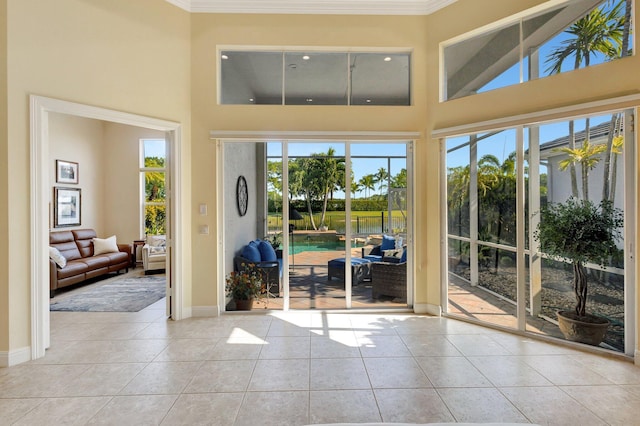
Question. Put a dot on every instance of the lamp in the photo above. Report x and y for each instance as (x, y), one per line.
(293, 215)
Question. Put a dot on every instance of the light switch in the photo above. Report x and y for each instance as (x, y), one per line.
(203, 229)
(203, 209)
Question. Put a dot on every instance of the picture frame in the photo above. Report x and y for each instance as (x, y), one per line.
(67, 207)
(66, 171)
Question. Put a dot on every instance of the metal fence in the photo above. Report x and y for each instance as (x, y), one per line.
(360, 225)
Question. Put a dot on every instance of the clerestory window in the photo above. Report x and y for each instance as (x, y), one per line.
(535, 44)
(314, 78)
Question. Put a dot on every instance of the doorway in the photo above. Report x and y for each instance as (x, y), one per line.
(40, 108)
(326, 204)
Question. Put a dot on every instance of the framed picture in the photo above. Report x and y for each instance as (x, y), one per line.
(66, 206)
(66, 171)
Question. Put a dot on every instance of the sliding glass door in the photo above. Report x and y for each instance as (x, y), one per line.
(329, 207)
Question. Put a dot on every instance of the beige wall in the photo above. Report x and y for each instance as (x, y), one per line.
(79, 140)
(131, 56)
(121, 153)
(210, 31)
(4, 182)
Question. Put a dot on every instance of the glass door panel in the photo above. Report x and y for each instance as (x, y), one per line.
(379, 224)
(316, 225)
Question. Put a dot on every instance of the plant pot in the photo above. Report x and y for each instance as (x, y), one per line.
(589, 329)
(323, 228)
(244, 305)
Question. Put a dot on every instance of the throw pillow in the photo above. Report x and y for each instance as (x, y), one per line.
(251, 253)
(57, 257)
(403, 258)
(388, 243)
(267, 253)
(157, 240)
(398, 243)
(104, 245)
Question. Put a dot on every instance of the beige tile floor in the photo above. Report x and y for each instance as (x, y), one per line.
(296, 368)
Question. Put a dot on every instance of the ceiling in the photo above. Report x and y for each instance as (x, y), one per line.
(330, 7)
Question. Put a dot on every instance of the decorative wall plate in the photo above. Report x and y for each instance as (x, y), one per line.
(242, 195)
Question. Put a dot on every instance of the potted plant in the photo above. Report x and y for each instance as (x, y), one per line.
(274, 239)
(581, 232)
(244, 286)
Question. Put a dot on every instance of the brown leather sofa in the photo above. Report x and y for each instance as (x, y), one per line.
(77, 248)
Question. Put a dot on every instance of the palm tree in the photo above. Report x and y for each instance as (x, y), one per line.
(381, 177)
(598, 32)
(587, 157)
(368, 182)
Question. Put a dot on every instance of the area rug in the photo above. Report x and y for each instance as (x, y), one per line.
(126, 295)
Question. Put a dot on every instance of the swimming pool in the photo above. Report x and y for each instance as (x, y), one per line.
(308, 244)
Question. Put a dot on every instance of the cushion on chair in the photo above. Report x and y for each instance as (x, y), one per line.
(251, 253)
(267, 253)
(388, 243)
(403, 258)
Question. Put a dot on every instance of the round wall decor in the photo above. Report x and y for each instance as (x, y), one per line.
(242, 195)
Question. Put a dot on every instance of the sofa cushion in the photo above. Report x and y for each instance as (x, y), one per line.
(267, 253)
(251, 253)
(104, 245)
(57, 257)
(95, 262)
(388, 243)
(75, 267)
(69, 251)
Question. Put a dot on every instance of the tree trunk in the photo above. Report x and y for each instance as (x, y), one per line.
(310, 210)
(580, 287)
(627, 29)
(606, 186)
(572, 166)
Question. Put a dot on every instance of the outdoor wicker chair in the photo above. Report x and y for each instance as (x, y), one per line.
(389, 279)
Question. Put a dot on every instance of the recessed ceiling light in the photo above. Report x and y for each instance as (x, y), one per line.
(368, 101)
(306, 57)
(224, 57)
(251, 100)
(309, 99)
(387, 59)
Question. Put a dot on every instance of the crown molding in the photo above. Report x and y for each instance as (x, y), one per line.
(312, 7)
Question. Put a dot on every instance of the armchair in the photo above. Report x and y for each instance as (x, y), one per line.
(389, 279)
(154, 254)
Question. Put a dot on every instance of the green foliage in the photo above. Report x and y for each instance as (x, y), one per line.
(245, 284)
(580, 230)
(155, 220)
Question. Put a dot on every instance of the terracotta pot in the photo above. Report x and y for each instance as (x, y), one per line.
(244, 305)
(589, 329)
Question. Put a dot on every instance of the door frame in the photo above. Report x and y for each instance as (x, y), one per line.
(40, 107)
(221, 137)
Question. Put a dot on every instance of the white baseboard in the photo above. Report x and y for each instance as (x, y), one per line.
(10, 358)
(427, 308)
(636, 358)
(205, 311)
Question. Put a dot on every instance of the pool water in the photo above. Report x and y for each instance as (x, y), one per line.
(296, 246)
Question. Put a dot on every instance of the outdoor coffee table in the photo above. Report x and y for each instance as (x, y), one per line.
(360, 269)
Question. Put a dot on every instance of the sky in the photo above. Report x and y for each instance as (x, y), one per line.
(377, 156)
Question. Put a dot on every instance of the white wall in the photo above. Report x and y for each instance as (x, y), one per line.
(239, 159)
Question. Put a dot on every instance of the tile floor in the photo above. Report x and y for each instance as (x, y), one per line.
(296, 368)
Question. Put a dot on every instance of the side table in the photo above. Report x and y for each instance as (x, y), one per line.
(134, 261)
